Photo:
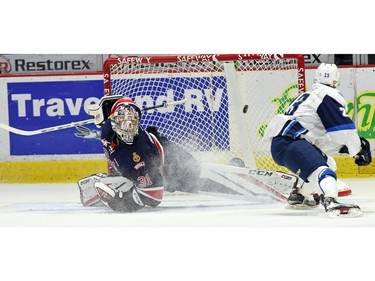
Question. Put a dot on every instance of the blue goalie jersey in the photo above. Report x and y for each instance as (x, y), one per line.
(141, 162)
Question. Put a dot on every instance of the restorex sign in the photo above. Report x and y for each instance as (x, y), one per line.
(29, 64)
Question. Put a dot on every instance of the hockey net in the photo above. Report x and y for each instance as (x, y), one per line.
(229, 99)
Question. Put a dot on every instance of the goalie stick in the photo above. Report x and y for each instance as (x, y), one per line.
(73, 124)
(44, 130)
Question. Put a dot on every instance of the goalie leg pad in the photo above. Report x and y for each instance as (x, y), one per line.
(256, 184)
(282, 182)
(88, 194)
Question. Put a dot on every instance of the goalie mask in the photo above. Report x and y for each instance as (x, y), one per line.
(328, 74)
(125, 120)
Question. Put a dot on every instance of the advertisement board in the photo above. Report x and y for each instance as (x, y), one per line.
(49, 63)
(36, 105)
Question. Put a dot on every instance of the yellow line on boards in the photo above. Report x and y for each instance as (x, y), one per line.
(49, 171)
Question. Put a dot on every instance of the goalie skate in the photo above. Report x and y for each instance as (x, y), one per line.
(336, 209)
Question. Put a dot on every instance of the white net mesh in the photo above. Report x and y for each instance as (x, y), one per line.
(228, 104)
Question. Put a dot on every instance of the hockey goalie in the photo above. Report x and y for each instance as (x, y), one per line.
(139, 169)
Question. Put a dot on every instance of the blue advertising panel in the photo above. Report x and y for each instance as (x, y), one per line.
(37, 105)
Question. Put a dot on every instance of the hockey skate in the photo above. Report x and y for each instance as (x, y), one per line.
(335, 209)
(298, 201)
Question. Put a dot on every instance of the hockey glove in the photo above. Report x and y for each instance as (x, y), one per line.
(363, 158)
(87, 133)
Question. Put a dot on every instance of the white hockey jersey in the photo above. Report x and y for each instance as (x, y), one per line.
(319, 116)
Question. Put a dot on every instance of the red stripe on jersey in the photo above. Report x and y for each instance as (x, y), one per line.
(159, 147)
(113, 145)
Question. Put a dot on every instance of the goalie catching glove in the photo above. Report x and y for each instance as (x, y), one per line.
(86, 133)
(363, 158)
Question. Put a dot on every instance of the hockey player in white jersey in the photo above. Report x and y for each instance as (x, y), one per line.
(314, 122)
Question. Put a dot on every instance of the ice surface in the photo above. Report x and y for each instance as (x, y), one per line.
(58, 205)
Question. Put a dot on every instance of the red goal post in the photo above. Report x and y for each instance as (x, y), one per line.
(229, 99)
